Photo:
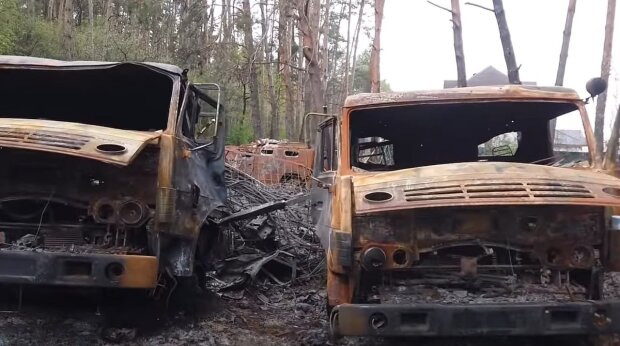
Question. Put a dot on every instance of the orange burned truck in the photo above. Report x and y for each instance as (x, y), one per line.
(453, 213)
(273, 162)
(108, 172)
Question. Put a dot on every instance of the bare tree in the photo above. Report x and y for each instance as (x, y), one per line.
(309, 19)
(570, 13)
(504, 35)
(68, 28)
(284, 58)
(347, 59)
(309, 12)
(375, 53)
(267, 45)
(458, 41)
(351, 76)
(611, 157)
(559, 79)
(599, 119)
(246, 27)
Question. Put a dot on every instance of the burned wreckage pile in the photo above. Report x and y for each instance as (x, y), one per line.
(269, 237)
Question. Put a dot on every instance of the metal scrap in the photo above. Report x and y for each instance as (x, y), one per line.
(272, 236)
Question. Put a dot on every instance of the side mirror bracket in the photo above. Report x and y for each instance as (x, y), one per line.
(595, 87)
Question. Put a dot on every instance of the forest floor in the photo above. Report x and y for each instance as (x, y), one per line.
(275, 316)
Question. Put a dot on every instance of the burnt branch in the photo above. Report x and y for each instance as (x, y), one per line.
(441, 7)
(479, 6)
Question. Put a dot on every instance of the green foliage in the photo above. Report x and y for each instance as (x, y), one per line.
(239, 133)
(361, 83)
(9, 17)
(194, 35)
(40, 38)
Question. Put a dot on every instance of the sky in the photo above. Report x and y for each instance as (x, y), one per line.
(417, 47)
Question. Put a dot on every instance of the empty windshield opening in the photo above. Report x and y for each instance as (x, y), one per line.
(125, 96)
(411, 136)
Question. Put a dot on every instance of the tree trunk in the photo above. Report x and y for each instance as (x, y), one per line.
(347, 62)
(91, 19)
(301, 79)
(274, 130)
(68, 29)
(355, 41)
(51, 9)
(309, 23)
(570, 13)
(284, 58)
(246, 28)
(458, 44)
(611, 157)
(325, 50)
(375, 53)
(504, 35)
(559, 79)
(599, 120)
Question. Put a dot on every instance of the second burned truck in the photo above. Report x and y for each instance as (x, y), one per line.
(459, 212)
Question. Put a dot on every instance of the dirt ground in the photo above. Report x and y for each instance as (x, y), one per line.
(274, 316)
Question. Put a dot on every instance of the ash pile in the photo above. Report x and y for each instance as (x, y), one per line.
(269, 237)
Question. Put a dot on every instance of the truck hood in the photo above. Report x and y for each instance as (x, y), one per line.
(482, 183)
(104, 144)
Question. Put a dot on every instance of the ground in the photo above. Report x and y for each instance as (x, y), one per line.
(263, 316)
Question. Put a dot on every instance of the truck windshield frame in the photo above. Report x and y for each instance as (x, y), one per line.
(121, 96)
(397, 137)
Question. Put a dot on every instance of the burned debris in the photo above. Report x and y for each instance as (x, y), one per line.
(269, 235)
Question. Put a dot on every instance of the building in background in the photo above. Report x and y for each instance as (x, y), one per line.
(570, 141)
(488, 76)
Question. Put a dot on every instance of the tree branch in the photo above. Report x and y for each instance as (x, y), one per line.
(480, 6)
(443, 8)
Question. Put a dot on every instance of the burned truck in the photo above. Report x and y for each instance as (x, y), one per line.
(108, 172)
(449, 213)
(273, 162)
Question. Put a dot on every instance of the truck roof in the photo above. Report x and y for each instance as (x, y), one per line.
(42, 62)
(501, 92)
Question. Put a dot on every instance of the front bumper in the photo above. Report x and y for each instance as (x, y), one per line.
(425, 320)
(85, 270)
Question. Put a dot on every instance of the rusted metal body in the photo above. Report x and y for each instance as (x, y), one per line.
(104, 179)
(273, 162)
(429, 237)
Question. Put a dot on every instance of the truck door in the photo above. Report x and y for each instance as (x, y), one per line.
(198, 177)
(325, 166)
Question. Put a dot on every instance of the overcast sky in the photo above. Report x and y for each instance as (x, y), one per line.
(417, 47)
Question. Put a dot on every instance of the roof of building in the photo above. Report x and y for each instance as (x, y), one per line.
(42, 62)
(488, 76)
(570, 137)
(505, 92)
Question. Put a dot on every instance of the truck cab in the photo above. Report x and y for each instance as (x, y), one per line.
(463, 212)
(108, 172)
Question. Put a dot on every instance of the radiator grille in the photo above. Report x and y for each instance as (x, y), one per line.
(45, 138)
(491, 190)
(62, 238)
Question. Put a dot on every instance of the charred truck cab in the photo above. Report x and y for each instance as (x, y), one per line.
(108, 172)
(468, 211)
